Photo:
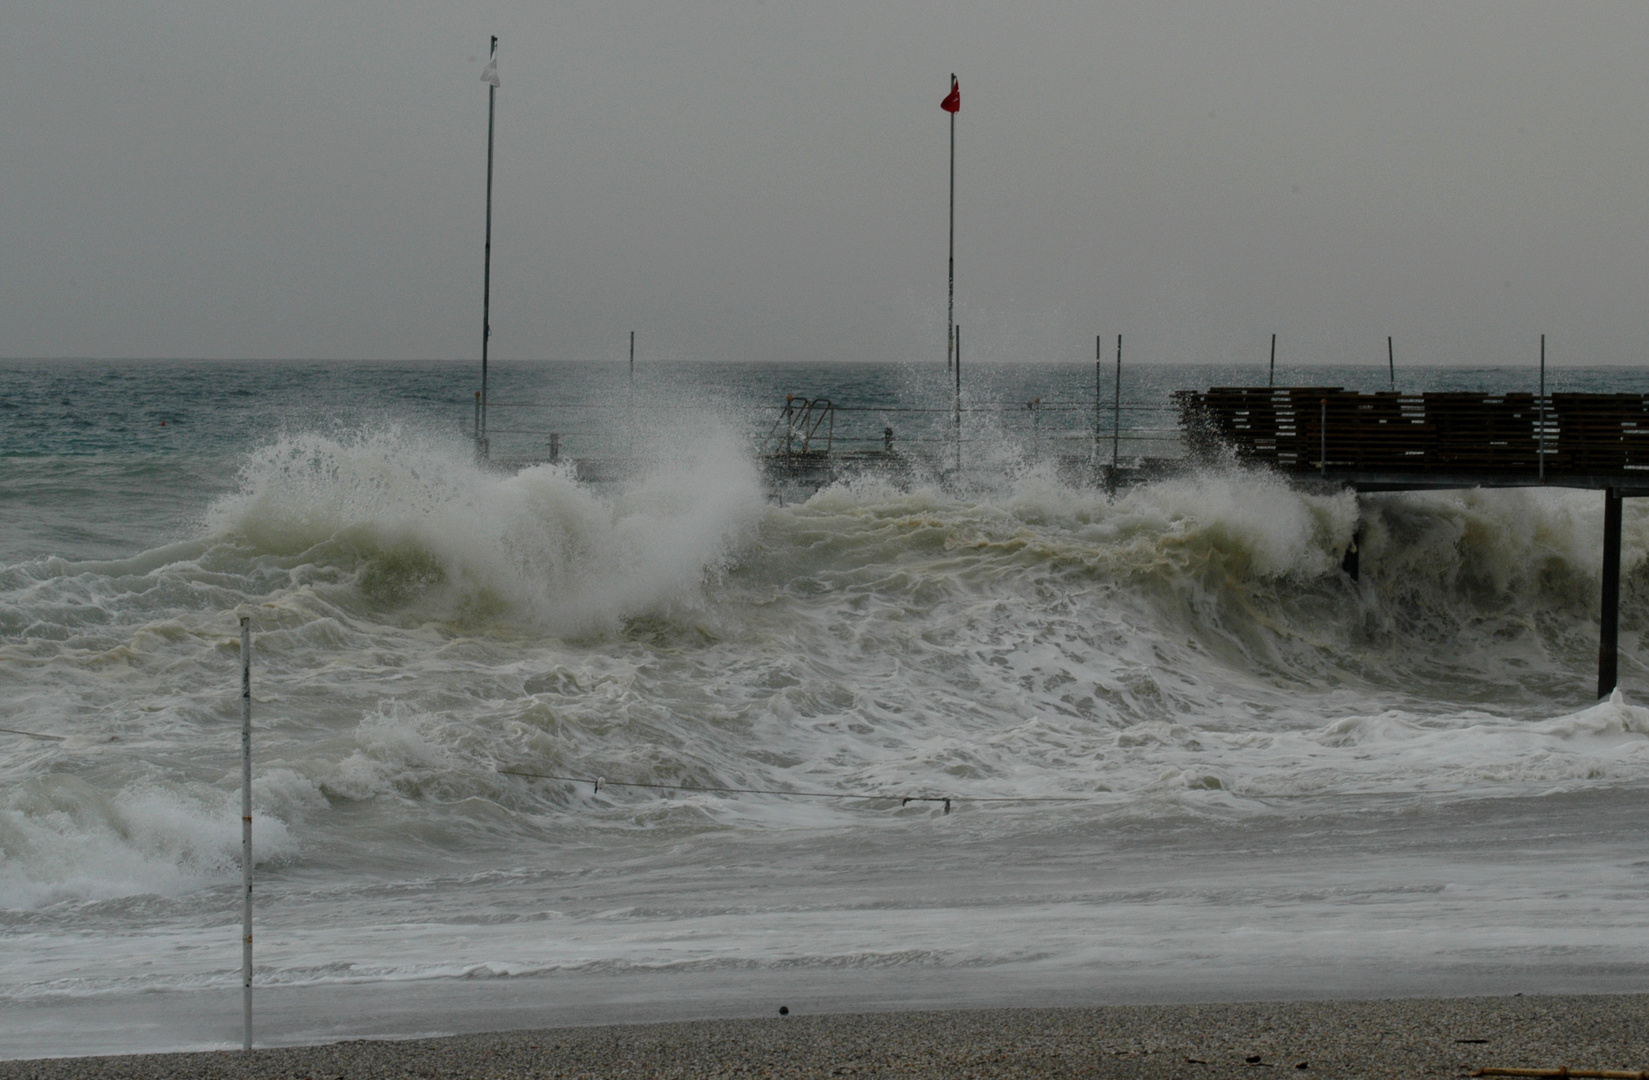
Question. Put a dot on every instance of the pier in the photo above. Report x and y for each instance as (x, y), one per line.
(1322, 438)
(1411, 442)
(1371, 442)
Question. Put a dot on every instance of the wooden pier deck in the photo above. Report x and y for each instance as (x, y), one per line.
(1406, 442)
(1416, 442)
(1321, 437)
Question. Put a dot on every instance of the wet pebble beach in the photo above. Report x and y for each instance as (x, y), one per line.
(1412, 1037)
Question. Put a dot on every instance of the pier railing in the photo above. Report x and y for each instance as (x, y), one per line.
(609, 438)
(1336, 432)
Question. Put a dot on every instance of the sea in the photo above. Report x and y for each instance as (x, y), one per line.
(681, 742)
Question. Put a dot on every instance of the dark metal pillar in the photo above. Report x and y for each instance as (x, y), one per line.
(1609, 632)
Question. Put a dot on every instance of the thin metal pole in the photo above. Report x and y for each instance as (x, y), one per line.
(246, 826)
(632, 393)
(1391, 362)
(956, 332)
(1099, 382)
(1271, 380)
(486, 268)
(1542, 401)
(953, 347)
(1116, 412)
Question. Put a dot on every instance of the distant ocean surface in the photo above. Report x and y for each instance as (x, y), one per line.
(1189, 758)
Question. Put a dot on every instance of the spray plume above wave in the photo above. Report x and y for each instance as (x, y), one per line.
(419, 523)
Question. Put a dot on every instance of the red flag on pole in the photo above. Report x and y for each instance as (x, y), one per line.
(953, 100)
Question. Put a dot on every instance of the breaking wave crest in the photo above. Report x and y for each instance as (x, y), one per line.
(425, 626)
(421, 525)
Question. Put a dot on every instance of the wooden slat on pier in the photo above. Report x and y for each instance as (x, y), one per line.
(1329, 430)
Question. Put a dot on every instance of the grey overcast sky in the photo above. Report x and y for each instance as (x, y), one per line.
(766, 179)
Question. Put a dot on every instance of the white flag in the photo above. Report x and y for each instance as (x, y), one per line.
(491, 74)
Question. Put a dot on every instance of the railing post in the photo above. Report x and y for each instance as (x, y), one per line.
(1116, 412)
(789, 432)
(1099, 359)
(1322, 435)
(1541, 452)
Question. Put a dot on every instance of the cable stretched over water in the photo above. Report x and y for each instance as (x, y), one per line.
(903, 800)
(33, 734)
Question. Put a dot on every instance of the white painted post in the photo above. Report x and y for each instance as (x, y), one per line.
(246, 824)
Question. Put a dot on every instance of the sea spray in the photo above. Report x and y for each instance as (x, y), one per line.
(68, 838)
(424, 527)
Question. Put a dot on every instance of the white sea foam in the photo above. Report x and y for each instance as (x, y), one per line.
(68, 839)
(1185, 661)
(420, 522)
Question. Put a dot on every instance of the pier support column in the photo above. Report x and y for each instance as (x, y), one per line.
(1609, 631)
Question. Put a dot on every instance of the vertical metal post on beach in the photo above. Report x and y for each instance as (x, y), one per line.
(246, 827)
(1271, 380)
(632, 393)
(490, 77)
(1391, 362)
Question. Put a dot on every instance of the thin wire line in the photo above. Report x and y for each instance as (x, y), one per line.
(600, 782)
(34, 734)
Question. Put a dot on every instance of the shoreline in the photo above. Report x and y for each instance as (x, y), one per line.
(1324, 1038)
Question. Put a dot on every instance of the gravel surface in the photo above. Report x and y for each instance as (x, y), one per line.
(1448, 1037)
